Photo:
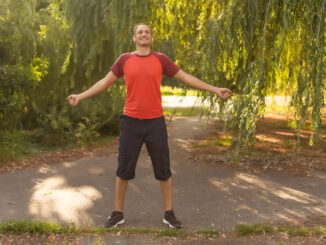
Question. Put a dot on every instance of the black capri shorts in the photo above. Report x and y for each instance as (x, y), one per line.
(133, 133)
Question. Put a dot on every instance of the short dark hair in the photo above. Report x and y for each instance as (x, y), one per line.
(139, 24)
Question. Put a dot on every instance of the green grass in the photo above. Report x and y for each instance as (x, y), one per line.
(209, 232)
(212, 142)
(255, 229)
(19, 227)
(170, 91)
(35, 227)
(303, 231)
(184, 111)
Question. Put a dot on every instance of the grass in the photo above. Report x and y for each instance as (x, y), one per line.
(209, 232)
(20, 227)
(255, 229)
(184, 111)
(303, 231)
(212, 142)
(35, 227)
(258, 229)
(170, 91)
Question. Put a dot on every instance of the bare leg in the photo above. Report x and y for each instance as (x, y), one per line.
(120, 191)
(166, 187)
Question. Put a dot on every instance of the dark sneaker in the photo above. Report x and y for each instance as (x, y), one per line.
(116, 218)
(171, 220)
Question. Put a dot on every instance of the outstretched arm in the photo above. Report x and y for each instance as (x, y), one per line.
(98, 87)
(194, 82)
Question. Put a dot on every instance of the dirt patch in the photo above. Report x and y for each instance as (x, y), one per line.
(275, 149)
(109, 238)
(55, 157)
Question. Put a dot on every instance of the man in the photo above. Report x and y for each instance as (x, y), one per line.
(143, 119)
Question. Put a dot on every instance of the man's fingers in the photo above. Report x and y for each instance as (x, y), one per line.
(69, 98)
(226, 93)
(227, 90)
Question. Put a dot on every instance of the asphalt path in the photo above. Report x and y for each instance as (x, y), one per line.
(205, 195)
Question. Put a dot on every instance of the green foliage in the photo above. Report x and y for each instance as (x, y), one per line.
(51, 48)
(80, 125)
(11, 143)
(254, 48)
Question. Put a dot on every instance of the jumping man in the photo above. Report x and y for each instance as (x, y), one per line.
(143, 119)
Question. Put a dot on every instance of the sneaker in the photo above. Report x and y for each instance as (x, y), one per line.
(171, 220)
(116, 218)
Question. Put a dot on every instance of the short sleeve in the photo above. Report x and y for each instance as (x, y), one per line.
(117, 67)
(169, 68)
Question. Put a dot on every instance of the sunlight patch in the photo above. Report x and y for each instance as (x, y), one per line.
(54, 200)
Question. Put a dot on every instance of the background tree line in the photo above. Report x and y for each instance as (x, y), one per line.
(51, 48)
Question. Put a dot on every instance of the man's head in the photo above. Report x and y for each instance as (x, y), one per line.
(142, 35)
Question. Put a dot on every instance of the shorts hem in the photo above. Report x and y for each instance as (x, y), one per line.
(164, 178)
(125, 178)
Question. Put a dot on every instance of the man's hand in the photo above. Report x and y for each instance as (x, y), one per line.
(223, 93)
(73, 99)
(98, 87)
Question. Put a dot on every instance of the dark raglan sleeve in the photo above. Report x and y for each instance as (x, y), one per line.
(169, 68)
(117, 67)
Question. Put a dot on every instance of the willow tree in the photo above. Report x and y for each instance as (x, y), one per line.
(255, 48)
(18, 70)
(51, 48)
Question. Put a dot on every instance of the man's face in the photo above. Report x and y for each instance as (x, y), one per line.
(143, 36)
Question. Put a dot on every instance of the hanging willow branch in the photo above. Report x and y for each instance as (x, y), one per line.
(255, 47)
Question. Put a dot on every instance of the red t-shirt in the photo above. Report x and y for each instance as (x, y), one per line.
(143, 77)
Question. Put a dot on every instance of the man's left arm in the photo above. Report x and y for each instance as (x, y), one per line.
(194, 82)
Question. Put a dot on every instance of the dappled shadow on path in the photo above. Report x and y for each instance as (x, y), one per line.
(223, 197)
(272, 198)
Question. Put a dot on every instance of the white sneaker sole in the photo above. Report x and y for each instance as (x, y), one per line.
(168, 223)
(119, 223)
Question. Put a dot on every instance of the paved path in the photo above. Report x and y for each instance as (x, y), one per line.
(204, 196)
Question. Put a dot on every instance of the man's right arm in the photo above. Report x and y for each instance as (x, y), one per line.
(98, 87)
